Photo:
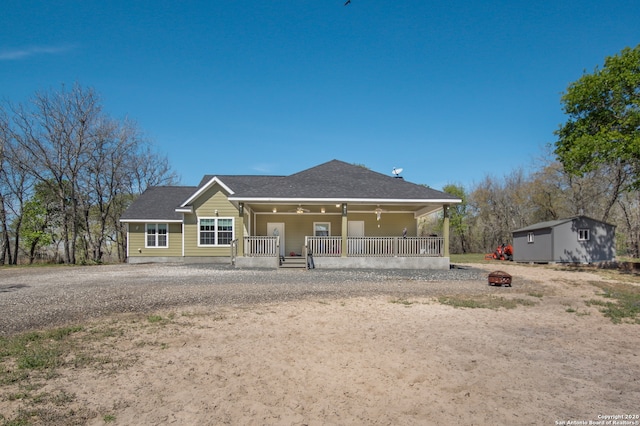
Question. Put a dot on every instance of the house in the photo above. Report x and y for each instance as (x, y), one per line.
(339, 214)
(578, 239)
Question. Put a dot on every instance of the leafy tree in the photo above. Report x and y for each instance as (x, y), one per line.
(458, 216)
(603, 128)
(35, 221)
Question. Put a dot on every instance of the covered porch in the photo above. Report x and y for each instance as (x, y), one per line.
(363, 252)
(341, 235)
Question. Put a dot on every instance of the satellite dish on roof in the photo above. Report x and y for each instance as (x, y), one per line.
(396, 172)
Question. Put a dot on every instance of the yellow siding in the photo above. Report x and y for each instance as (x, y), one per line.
(215, 198)
(137, 241)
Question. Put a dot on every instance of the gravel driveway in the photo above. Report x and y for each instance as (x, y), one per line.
(38, 297)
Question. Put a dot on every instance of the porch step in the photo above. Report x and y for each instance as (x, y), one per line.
(294, 262)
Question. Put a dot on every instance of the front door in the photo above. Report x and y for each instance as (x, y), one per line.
(355, 228)
(276, 229)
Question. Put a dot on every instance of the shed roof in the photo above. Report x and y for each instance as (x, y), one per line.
(554, 223)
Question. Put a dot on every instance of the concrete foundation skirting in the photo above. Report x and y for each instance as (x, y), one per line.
(256, 262)
(167, 259)
(382, 262)
(320, 262)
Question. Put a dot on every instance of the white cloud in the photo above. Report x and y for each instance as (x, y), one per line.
(27, 52)
(263, 168)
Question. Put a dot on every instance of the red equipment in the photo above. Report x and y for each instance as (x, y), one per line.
(503, 252)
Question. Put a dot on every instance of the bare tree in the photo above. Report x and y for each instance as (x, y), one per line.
(110, 175)
(15, 184)
(629, 204)
(498, 206)
(92, 164)
(4, 236)
(57, 136)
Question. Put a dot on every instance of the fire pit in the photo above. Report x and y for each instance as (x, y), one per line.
(500, 278)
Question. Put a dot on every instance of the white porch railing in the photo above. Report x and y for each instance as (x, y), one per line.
(324, 246)
(377, 246)
(420, 246)
(261, 246)
(356, 246)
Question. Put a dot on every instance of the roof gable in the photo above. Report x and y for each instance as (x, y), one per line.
(204, 187)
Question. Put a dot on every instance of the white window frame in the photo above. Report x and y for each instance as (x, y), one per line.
(216, 231)
(156, 235)
(328, 224)
(584, 234)
(530, 237)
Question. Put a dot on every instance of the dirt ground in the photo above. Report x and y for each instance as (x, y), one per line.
(372, 361)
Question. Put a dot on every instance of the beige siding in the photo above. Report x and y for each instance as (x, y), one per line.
(215, 198)
(298, 226)
(137, 241)
(391, 224)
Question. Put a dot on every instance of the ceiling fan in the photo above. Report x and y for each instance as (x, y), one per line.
(300, 210)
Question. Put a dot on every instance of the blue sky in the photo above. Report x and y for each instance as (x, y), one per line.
(450, 91)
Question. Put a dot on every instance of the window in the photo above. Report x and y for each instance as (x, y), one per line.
(530, 237)
(321, 229)
(157, 235)
(216, 231)
(583, 235)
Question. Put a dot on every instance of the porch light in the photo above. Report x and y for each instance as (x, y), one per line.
(275, 210)
(322, 210)
(378, 212)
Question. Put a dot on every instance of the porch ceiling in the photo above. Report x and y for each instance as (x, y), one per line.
(336, 208)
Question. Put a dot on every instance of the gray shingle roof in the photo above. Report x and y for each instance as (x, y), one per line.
(332, 180)
(158, 203)
(239, 183)
(339, 180)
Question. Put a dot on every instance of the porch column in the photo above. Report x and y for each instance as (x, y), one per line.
(345, 229)
(445, 230)
(240, 226)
